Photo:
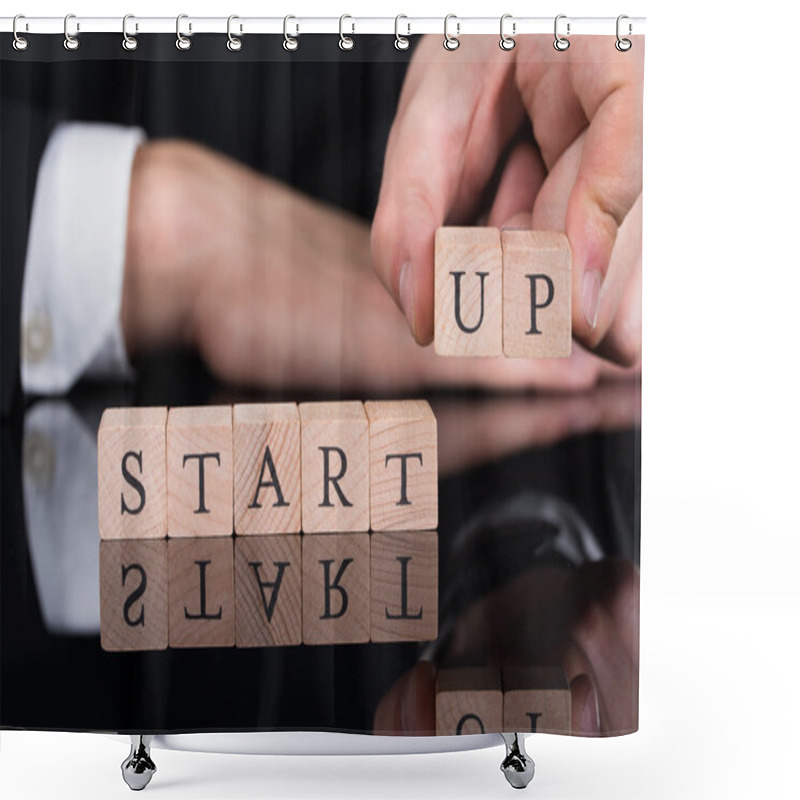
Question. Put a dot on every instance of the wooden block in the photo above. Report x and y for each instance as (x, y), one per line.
(403, 478)
(336, 588)
(404, 576)
(335, 467)
(468, 292)
(133, 594)
(132, 473)
(537, 294)
(201, 597)
(266, 472)
(468, 700)
(200, 471)
(269, 594)
(536, 700)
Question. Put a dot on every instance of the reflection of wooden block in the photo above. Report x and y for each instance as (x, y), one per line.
(468, 700)
(201, 603)
(133, 595)
(403, 479)
(199, 471)
(537, 294)
(336, 588)
(268, 591)
(536, 700)
(405, 586)
(266, 473)
(132, 474)
(335, 474)
(468, 292)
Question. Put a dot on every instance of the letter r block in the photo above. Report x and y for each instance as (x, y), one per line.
(335, 467)
(468, 700)
(200, 471)
(468, 292)
(537, 294)
(132, 473)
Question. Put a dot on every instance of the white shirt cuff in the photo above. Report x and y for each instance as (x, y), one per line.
(72, 289)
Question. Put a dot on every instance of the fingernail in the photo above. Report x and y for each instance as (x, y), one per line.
(408, 706)
(590, 296)
(406, 288)
(590, 715)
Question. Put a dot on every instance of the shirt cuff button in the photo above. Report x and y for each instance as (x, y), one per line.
(37, 340)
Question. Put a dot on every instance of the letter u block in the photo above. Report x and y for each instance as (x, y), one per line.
(132, 474)
(335, 467)
(468, 292)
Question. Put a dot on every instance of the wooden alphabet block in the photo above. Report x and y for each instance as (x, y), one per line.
(133, 594)
(336, 602)
(537, 294)
(200, 471)
(201, 595)
(536, 700)
(335, 467)
(266, 473)
(468, 292)
(403, 480)
(269, 594)
(132, 473)
(468, 700)
(405, 586)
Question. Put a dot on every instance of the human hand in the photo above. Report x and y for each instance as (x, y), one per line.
(457, 113)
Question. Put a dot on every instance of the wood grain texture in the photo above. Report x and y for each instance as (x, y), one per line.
(336, 590)
(200, 471)
(269, 597)
(132, 473)
(201, 593)
(134, 594)
(536, 700)
(537, 294)
(403, 481)
(335, 467)
(266, 473)
(404, 577)
(468, 700)
(468, 292)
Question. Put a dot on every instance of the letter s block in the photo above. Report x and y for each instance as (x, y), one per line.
(468, 292)
(537, 294)
(132, 474)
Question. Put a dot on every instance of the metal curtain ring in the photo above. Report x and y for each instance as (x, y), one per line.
(623, 45)
(401, 42)
(129, 42)
(182, 42)
(346, 42)
(289, 43)
(451, 42)
(560, 43)
(20, 42)
(71, 42)
(234, 43)
(506, 42)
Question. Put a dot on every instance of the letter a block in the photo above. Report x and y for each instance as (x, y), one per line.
(132, 473)
(537, 294)
(336, 588)
(536, 700)
(268, 591)
(335, 467)
(200, 471)
(468, 292)
(201, 601)
(405, 586)
(403, 480)
(266, 474)
(468, 700)
(133, 595)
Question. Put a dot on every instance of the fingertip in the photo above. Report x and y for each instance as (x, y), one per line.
(585, 710)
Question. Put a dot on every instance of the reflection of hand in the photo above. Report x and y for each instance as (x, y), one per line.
(457, 112)
(274, 289)
(588, 622)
